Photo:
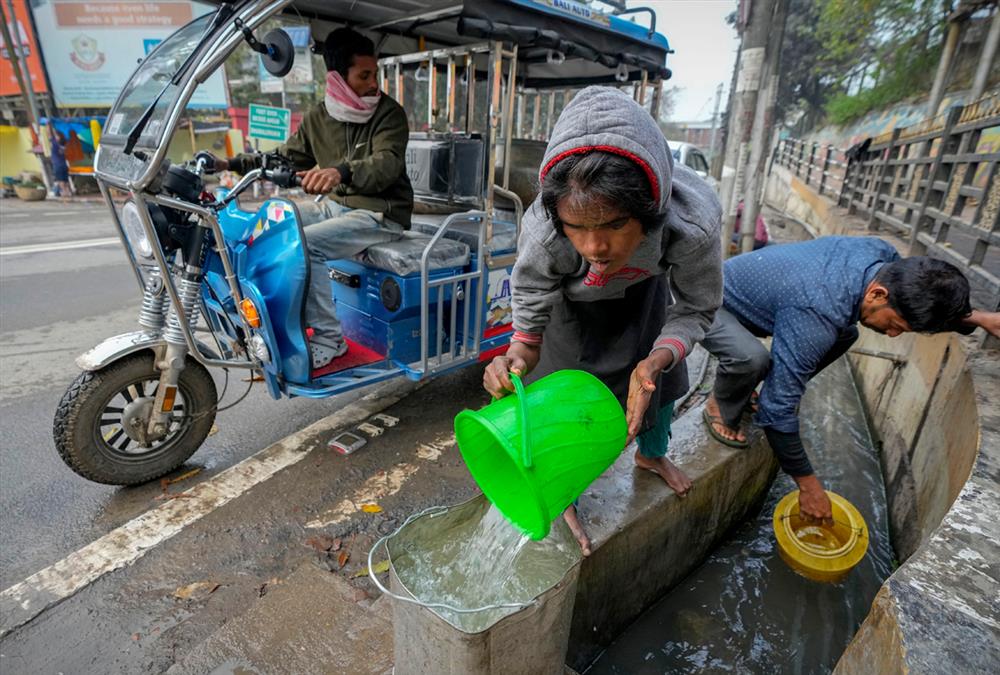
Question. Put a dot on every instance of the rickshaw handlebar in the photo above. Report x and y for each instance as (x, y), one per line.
(273, 169)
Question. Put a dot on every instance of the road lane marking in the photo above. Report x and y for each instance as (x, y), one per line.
(62, 246)
(124, 545)
(381, 485)
(432, 451)
(377, 487)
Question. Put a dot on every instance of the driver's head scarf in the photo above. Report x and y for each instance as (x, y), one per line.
(344, 105)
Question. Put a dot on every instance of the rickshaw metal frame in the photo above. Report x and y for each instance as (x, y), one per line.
(212, 55)
(500, 113)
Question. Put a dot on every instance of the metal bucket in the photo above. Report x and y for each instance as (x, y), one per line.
(518, 638)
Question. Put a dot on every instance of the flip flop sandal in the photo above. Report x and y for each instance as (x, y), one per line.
(715, 419)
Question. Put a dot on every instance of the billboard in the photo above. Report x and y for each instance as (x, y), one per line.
(20, 30)
(92, 48)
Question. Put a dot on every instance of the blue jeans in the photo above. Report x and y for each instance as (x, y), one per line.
(345, 233)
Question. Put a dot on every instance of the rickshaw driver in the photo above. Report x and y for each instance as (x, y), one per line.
(352, 148)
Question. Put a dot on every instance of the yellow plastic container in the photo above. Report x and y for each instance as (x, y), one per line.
(819, 552)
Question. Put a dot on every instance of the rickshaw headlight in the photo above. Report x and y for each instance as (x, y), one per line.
(258, 347)
(135, 232)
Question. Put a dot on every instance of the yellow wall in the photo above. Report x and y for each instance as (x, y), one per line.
(15, 152)
(15, 148)
(180, 145)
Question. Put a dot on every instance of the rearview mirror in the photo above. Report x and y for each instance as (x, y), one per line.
(280, 53)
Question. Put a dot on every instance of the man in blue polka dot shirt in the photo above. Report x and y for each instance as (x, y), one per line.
(809, 297)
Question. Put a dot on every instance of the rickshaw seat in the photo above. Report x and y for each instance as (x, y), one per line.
(403, 256)
(467, 232)
(400, 257)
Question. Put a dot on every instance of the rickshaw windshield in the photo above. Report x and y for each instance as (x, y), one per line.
(151, 77)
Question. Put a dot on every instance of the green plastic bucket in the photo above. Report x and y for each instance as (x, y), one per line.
(534, 453)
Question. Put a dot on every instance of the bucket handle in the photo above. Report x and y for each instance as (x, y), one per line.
(432, 511)
(522, 414)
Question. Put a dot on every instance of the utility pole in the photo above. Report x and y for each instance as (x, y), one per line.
(944, 65)
(715, 123)
(754, 21)
(14, 56)
(957, 21)
(986, 58)
(761, 135)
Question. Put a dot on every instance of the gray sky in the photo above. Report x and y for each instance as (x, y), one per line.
(706, 49)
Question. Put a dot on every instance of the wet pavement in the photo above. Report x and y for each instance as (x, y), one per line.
(54, 305)
(744, 610)
(130, 620)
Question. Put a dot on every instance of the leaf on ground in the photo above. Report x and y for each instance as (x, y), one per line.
(214, 430)
(323, 543)
(196, 591)
(371, 508)
(184, 476)
(378, 568)
(342, 559)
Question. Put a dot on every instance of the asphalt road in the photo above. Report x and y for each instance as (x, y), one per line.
(55, 304)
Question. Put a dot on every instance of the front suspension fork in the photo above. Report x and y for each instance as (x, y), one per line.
(171, 359)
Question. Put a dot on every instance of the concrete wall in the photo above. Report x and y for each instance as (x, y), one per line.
(933, 408)
(924, 412)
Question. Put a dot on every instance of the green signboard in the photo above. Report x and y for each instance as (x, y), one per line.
(270, 124)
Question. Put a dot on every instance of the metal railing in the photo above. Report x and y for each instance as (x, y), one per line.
(452, 348)
(933, 183)
(818, 165)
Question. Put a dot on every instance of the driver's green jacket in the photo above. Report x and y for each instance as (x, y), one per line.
(371, 158)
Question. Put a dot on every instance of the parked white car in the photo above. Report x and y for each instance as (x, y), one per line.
(692, 157)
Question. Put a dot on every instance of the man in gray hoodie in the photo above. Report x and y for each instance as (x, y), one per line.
(618, 270)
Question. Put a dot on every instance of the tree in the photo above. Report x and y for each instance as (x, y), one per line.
(668, 103)
(880, 51)
(844, 58)
(804, 86)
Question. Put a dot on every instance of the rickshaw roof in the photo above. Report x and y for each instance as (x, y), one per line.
(594, 43)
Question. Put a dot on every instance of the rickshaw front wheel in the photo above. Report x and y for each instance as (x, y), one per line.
(101, 419)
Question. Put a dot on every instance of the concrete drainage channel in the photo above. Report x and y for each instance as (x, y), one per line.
(744, 609)
(937, 421)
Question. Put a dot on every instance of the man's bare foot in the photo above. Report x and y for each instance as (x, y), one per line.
(569, 515)
(712, 408)
(667, 470)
